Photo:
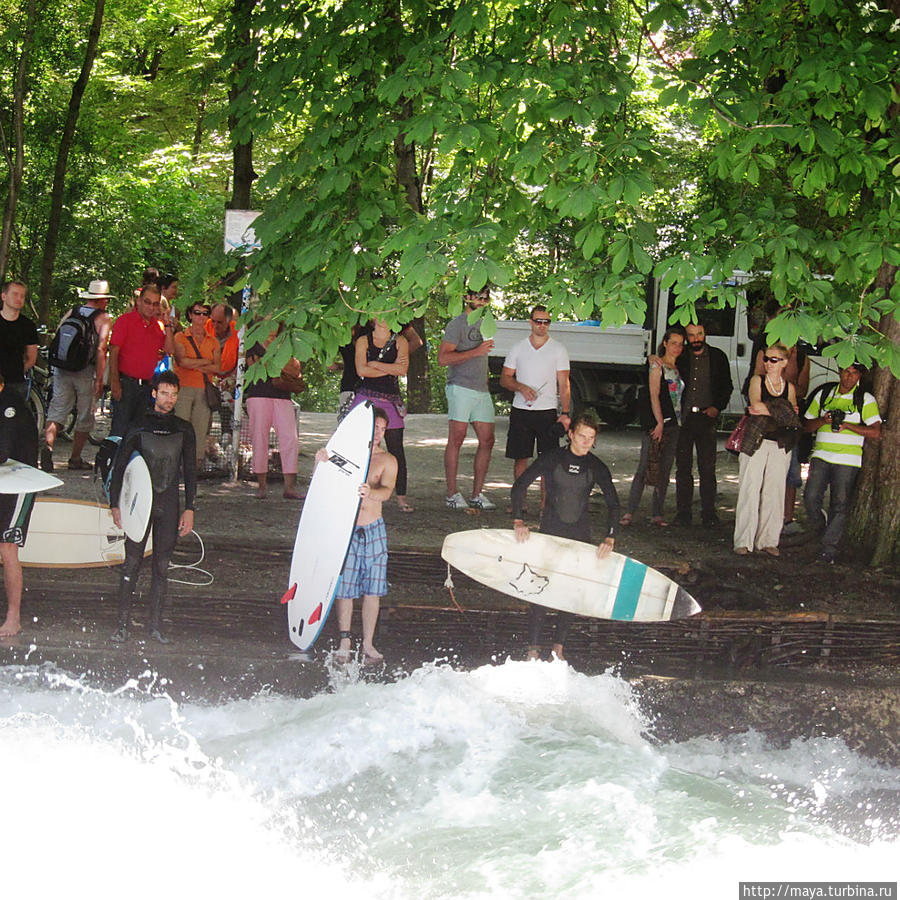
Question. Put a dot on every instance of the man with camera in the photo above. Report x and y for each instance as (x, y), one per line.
(842, 419)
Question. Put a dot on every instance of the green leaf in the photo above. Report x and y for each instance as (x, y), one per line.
(349, 269)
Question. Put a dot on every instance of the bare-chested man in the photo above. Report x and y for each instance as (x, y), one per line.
(365, 571)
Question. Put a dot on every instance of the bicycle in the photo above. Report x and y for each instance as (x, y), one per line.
(40, 391)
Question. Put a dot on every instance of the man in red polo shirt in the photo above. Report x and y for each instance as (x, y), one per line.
(137, 344)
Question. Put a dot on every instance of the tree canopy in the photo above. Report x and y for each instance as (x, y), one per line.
(562, 150)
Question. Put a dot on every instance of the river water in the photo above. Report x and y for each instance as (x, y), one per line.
(514, 780)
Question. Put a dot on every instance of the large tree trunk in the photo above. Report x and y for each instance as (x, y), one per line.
(243, 47)
(874, 529)
(15, 154)
(418, 384)
(62, 159)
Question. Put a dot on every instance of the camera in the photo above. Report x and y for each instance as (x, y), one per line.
(837, 419)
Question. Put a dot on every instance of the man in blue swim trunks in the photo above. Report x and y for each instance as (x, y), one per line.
(365, 571)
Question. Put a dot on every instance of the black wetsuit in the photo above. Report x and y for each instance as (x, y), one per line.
(168, 446)
(18, 441)
(569, 480)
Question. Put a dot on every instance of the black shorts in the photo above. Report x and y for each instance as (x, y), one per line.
(15, 514)
(527, 426)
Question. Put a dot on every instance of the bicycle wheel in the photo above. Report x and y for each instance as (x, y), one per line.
(102, 420)
(35, 403)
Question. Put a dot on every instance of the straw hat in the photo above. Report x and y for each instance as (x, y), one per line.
(97, 290)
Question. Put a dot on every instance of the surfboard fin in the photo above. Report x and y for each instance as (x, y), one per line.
(315, 615)
(289, 594)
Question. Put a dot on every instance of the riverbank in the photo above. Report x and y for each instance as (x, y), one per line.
(782, 646)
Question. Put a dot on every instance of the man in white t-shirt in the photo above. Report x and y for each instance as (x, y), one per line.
(842, 417)
(537, 369)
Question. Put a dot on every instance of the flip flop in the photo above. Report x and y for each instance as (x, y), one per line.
(406, 508)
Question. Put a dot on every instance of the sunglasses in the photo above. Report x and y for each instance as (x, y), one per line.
(773, 359)
(199, 312)
(541, 321)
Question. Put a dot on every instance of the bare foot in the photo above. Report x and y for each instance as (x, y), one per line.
(344, 652)
(371, 657)
(292, 495)
(260, 493)
(10, 627)
(557, 651)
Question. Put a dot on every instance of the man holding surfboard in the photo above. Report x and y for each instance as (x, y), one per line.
(18, 440)
(570, 474)
(168, 447)
(365, 569)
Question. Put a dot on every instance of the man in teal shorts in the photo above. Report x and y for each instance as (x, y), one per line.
(465, 351)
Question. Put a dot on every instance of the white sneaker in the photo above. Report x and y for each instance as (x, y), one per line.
(457, 501)
(482, 502)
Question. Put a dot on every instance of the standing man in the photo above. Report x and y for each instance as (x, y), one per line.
(137, 344)
(537, 369)
(18, 440)
(18, 338)
(706, 374)
(464, 351)
(220, 325)
(570, 474)
(365, 569)
(85, 338)
(842, 419)
(167, 445)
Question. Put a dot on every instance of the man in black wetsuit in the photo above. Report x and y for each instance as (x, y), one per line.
(570, 474)
(18, 441)
(168, 445)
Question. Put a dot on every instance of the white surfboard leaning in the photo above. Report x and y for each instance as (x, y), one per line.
(567, 575)
(71, 534)
(136, 498)
(326, 526)
(20, 478)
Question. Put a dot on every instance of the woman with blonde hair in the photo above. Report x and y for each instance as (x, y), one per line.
(769, 436)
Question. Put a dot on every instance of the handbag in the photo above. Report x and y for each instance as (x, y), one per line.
(736, 438)
(213, 397)
(651, 475)
(290, 379)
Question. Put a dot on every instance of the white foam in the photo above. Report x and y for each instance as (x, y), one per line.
(517, 780)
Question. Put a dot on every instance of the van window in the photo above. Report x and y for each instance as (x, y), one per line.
(717, 322)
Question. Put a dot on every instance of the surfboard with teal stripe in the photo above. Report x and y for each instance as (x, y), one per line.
(567, 575)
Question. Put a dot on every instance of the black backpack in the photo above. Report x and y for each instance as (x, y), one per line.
(74, 346)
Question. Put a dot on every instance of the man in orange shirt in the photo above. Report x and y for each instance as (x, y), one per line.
(221, 326)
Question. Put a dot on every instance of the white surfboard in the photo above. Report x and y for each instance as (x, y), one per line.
(20, 478)
(136, 498)
(71, 534)
(567, 575)
(326, 526)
